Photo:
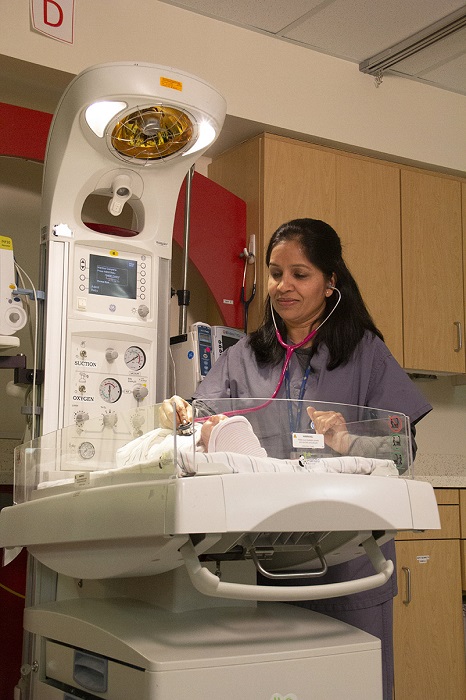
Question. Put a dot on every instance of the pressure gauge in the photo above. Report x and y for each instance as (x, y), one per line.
(135, 358)
(110, 390)
(86, 450)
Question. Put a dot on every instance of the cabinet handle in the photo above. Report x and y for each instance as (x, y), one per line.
(459, 335)
(408, 585)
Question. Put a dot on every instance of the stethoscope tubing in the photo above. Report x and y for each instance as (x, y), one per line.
(289, 350)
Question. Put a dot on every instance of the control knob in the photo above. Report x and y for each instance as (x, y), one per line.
(140, 392)
(111, 354)
(110, 420)
(143, 310)
(81, 417)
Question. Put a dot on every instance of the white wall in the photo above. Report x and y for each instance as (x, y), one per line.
(263, 79)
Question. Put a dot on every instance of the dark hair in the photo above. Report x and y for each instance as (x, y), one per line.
(346, 326)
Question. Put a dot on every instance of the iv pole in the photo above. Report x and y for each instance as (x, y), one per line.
(183, 294)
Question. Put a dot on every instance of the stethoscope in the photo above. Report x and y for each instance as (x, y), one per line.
(289, 350)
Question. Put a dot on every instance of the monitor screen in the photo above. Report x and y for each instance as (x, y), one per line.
(228, 341)
(112, 277)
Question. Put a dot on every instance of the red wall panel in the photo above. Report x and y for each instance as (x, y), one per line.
(216, 239)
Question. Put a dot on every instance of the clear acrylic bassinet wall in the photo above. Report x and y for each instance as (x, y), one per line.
(278, 435)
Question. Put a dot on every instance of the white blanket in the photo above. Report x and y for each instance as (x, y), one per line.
(190, 463)
(233, 448)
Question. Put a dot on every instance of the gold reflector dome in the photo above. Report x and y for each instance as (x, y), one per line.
(152, 133)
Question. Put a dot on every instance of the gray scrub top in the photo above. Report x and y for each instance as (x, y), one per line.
(372, 378)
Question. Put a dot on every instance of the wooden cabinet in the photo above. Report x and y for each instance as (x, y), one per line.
(463, 537)
(283, 179)
(428, 620)
(368, 221)
(400, 227)
(432, 263)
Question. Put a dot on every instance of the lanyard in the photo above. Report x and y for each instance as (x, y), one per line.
(295, 425)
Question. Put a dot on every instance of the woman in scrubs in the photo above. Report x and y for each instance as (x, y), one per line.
(314, 303)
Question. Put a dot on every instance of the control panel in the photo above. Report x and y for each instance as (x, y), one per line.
(111, 285)
(108, 374)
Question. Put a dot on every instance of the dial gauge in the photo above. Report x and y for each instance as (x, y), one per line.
(110, 390)
(135, 358)
(86, 450)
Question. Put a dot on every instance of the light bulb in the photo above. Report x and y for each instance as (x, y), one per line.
(152, 133)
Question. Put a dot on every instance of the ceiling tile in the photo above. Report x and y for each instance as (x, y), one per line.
(362, 28)
(267, 15)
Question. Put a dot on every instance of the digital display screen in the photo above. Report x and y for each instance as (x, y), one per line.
(228, 341)
(112, 277)
(204, 337)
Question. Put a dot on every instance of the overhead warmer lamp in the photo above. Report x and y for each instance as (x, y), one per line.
(393, 56)
(123, 138)
(134, 116)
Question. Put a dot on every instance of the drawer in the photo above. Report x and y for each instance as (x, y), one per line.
(450, 527)
(103, 678)
(447, 497)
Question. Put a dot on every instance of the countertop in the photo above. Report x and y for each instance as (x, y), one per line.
(442, 471)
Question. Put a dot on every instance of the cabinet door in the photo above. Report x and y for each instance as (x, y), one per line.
(432, 272)
(428, 630)
(368, 221)
(298, 182)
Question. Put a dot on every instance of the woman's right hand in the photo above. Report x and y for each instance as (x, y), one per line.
(184, 412)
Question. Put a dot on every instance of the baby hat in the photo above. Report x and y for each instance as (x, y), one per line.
(235, 435)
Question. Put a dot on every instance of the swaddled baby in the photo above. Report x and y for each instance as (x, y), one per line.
(222, 445)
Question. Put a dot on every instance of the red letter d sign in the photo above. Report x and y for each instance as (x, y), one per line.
(54, 18)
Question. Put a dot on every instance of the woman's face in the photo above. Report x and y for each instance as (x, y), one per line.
(296, 288)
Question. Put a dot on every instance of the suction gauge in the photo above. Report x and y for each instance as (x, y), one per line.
(135, 358)
(110, 390)
(86, 450)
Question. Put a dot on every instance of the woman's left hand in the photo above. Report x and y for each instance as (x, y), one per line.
(332, 426)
